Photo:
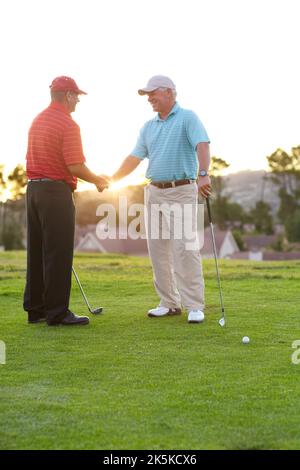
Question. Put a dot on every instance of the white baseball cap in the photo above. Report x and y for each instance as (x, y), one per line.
(158, 81)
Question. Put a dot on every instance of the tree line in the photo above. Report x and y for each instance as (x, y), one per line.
(12, 208)
(284, 172)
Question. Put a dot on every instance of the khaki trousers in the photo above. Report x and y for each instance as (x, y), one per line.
(176, 260)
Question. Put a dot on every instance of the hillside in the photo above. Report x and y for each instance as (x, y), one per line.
(247, 187)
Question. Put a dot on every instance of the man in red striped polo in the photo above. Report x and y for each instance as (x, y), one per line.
(55, 160)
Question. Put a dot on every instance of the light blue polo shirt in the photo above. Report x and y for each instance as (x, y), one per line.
(170, 145)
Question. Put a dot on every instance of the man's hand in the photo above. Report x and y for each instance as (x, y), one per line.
(204, 186)
(103, 182)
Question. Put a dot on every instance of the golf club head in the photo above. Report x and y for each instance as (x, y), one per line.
(222, 321)
(97, 311)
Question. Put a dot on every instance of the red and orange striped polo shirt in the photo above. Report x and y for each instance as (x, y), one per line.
(54, 142)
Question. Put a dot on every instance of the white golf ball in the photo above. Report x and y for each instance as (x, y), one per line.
(246, 340)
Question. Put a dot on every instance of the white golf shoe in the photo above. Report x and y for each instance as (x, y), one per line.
(196, 316)
(163, 311)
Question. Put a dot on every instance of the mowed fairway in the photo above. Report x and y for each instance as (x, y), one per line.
(130, 382)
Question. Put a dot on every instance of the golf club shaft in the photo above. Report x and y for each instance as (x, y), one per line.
(81, 289)
(215, 254)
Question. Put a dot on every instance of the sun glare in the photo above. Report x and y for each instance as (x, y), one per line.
(134, 181)
(5, 195)
(130, 180)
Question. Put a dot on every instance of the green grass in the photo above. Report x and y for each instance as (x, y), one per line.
(130, 382)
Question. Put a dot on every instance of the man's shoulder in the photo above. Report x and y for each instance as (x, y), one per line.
(57, 117)
(188, 113)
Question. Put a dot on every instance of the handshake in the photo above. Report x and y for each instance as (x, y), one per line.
(103, 182)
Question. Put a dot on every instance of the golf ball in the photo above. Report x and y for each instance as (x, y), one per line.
(246, 340)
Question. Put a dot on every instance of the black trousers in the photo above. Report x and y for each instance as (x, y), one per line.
(50, 244)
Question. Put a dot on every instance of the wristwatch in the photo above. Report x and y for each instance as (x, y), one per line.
(203, 173)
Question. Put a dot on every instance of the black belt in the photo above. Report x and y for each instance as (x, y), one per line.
(171, 184)
(44, 179)
(47, 180)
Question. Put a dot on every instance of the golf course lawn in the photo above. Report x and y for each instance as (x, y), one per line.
(131, 382)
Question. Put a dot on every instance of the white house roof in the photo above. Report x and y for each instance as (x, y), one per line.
(225, 243)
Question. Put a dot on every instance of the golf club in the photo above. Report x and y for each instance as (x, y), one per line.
(95, 311)
(222, 319)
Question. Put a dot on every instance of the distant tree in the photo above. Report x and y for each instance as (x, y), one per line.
(217, 166)
(280, 244)
(288, 205)
(239, 239)
(292, 227)
(226, 213)
(12, 236)
(17, 181)
(264, 180)
(262, 218)
(2, 181)
(285, 169)
(2, 206)
(219, 202)
(12, 210)
(235, 212)
(87, 202)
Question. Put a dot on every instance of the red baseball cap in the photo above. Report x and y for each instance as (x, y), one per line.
(66, 84)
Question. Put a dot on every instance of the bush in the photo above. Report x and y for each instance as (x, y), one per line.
(12, 238)
(280, 244)
(239, 239)
(292, 227)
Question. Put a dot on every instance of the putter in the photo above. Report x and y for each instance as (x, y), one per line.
(222, 319)
(95, 311)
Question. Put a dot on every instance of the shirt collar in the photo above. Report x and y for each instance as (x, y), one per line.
(174, 110)
(59, 107)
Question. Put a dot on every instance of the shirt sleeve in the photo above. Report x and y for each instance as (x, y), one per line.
(195, 130)
(72, 145)
(140, 150)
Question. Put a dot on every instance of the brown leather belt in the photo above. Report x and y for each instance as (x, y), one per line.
(171, 184)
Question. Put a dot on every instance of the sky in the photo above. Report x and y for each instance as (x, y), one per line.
(234, 62)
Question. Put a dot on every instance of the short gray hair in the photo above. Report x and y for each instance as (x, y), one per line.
(174, 92)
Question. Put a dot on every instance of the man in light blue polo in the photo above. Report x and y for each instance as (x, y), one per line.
(177, 147)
